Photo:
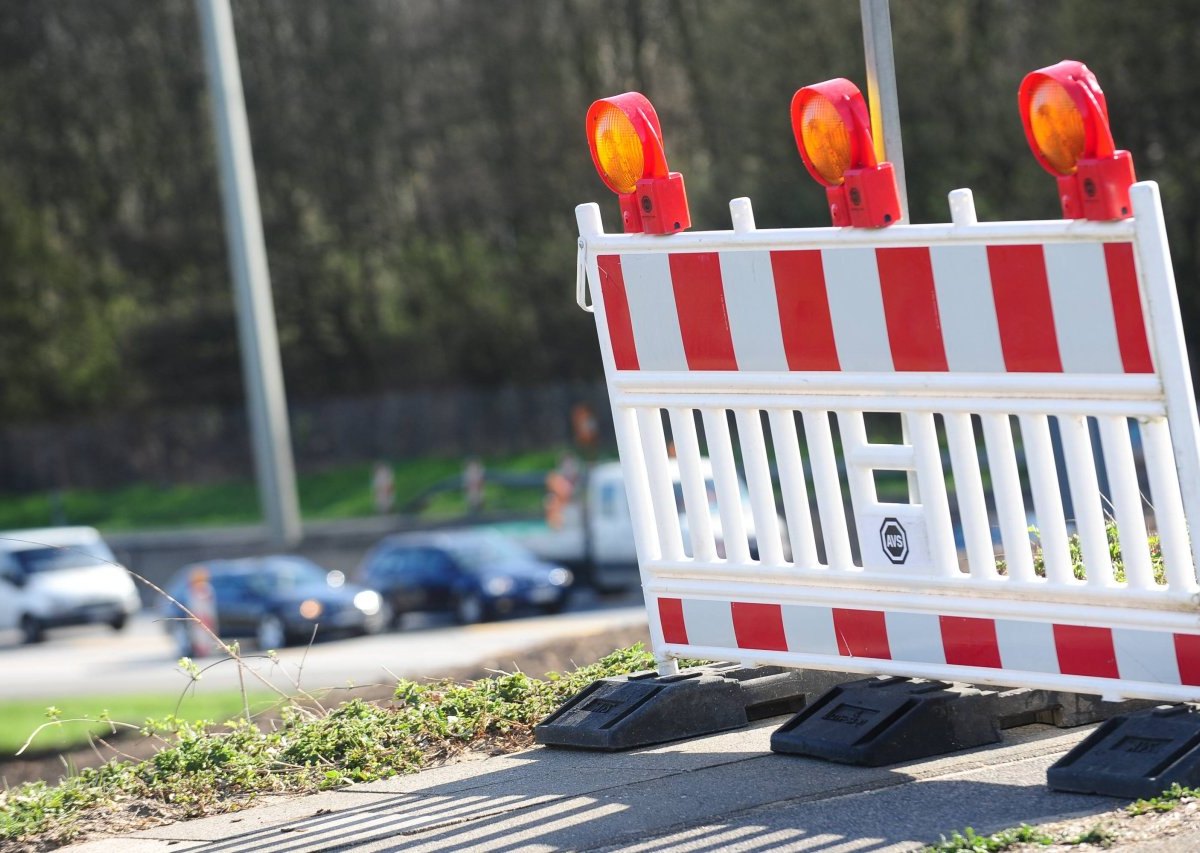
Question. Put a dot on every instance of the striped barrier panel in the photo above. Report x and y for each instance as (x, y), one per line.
(957, 441)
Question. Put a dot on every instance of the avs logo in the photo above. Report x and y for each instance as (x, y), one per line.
(894, 541)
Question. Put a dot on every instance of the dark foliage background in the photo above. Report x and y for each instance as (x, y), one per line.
(419, 160)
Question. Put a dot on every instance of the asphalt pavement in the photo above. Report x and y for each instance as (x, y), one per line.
(94, 660)
(722, 792)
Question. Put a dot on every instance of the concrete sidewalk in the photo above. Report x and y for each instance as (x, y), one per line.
(723, 792)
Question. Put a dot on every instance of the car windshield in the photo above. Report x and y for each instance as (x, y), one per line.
(38, 560)
(479, 552)
(284, 575)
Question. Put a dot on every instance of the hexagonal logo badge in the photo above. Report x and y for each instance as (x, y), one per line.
(894, 541)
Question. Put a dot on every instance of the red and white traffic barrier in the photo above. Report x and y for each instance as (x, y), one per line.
(1003, 348)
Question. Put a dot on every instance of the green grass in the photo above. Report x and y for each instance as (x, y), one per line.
(74, 719)
(333, 494)
(204, 769)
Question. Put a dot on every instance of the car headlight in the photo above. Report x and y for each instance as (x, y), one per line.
(368, 601)
(560, 577)
(498, 586)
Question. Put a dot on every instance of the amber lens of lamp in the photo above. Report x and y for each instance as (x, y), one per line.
(825, 139)
(618, 148)
(1057, 126)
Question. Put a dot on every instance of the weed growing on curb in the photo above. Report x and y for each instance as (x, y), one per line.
(969, 841)
(1164, 802)
(205, 768)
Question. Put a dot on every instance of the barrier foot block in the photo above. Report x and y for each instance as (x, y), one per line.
(1023, 706)
(642, 709)
(1134, 755)
(879, 721)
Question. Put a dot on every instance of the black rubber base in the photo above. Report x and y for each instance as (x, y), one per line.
(879, 721)
(645, 709)
(1134, 755)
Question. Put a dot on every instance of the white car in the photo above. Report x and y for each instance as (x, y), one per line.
(58, 576)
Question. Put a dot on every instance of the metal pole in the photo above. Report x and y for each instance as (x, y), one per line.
(884, 103)
(261, 367)
(881, 90)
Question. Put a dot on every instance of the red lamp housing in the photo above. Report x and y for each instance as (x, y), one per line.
(1065, 117)
(625, 139)
(833, 132)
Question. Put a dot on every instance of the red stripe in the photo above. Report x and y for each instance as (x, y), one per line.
(1127, 308)
(804, 310)
(700, 302)
(1187, 653)
(970, 641)
(616, 309)
(910, 307)
(758, 626)
(670, 617)
(1084, 650)
(1022, 295)
(861, 634)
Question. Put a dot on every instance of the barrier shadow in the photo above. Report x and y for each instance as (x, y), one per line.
(751, 800)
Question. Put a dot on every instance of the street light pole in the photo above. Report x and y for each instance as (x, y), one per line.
(261, 369)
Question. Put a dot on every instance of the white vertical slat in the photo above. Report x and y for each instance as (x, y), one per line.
(1047, 500)
(729, 496)
(641, 514)
(691, 479)
(786, 442)
(662, 492)
(859, 478)
(1085, 497)
(762, 492)
(828, 487)
(1127, 502)
(1168, 506)
(968, 487)
(1169, 350)
(1010, 503)
(932, 480)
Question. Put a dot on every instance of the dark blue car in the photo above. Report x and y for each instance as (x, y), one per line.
(475, 574)
(276, 601)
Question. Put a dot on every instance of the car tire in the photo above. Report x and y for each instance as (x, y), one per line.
(181, 636)
(32, 630)
(555, 607)
(469, 608)
(118, 623)
(271, 633)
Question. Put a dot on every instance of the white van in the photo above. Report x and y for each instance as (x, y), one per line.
(603, 541)
(58, 576)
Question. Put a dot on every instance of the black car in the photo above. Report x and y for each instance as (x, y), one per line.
(474, 574)
(277, 601)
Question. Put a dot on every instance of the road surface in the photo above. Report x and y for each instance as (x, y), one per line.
(141, 659)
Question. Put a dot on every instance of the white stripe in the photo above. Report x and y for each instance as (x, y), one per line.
(856, 308)
(915, 637)
(1083, 311)
(1146, 656)
(652, 312)
(709, 623)
(1026, 646)
(967, 308)
(753, 310)
(809, 630)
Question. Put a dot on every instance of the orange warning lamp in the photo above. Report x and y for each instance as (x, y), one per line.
(833, 133)
(1066, 122)
(626, 143)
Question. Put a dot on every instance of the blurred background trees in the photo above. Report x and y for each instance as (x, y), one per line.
(419, 161)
